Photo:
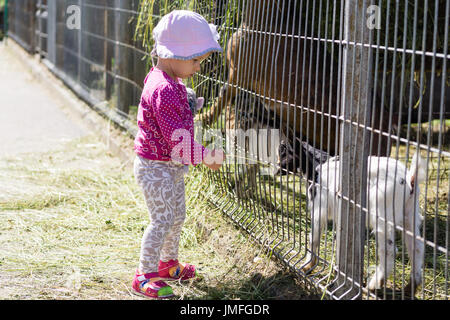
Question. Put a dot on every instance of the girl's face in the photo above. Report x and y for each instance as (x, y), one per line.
(186, 68)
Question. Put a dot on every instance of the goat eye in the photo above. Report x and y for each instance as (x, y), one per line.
(402, 181)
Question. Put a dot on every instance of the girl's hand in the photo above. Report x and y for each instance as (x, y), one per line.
(197, 118)
(214, 159)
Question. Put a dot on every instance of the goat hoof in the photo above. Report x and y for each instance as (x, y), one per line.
(374, 285)
(409, 287)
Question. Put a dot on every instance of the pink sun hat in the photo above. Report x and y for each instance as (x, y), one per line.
(184, 35)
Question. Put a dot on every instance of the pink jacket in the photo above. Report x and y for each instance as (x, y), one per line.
(162, 112)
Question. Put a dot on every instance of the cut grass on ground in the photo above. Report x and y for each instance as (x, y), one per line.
(71, 222)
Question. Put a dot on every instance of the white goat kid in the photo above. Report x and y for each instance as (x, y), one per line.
(391, 188)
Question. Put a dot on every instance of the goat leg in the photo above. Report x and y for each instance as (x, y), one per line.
(386, 256)
(319, 208)
(415, 255)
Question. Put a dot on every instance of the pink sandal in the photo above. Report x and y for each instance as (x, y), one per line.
(152, 286)
(174, 270)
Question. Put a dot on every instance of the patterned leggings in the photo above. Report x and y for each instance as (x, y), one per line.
(163, 185)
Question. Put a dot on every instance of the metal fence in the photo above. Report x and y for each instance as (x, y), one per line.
(90, 46)
(300, 82)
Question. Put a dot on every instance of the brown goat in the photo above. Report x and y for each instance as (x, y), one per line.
(289, 74)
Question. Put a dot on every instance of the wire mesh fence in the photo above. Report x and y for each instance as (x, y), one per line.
(304, 93)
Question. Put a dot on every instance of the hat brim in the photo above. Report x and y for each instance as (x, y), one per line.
(184, 52)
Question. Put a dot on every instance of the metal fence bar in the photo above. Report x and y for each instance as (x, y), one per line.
(353, 151)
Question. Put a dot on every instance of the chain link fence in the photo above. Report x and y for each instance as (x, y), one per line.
(300, 82)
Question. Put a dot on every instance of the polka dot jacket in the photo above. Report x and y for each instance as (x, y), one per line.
(165, 122)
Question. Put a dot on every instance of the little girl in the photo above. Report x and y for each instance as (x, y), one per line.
(183, 39)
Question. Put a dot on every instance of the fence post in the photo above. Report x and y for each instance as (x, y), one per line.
(51, 32)
(5, 20)
(107, 53)
(123, 57)
(39, 26)
(353, 151)
(80, 72)
(31, 7)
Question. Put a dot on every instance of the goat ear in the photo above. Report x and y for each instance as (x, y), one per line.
(312, 191)
(412, 183)
(416, 174)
